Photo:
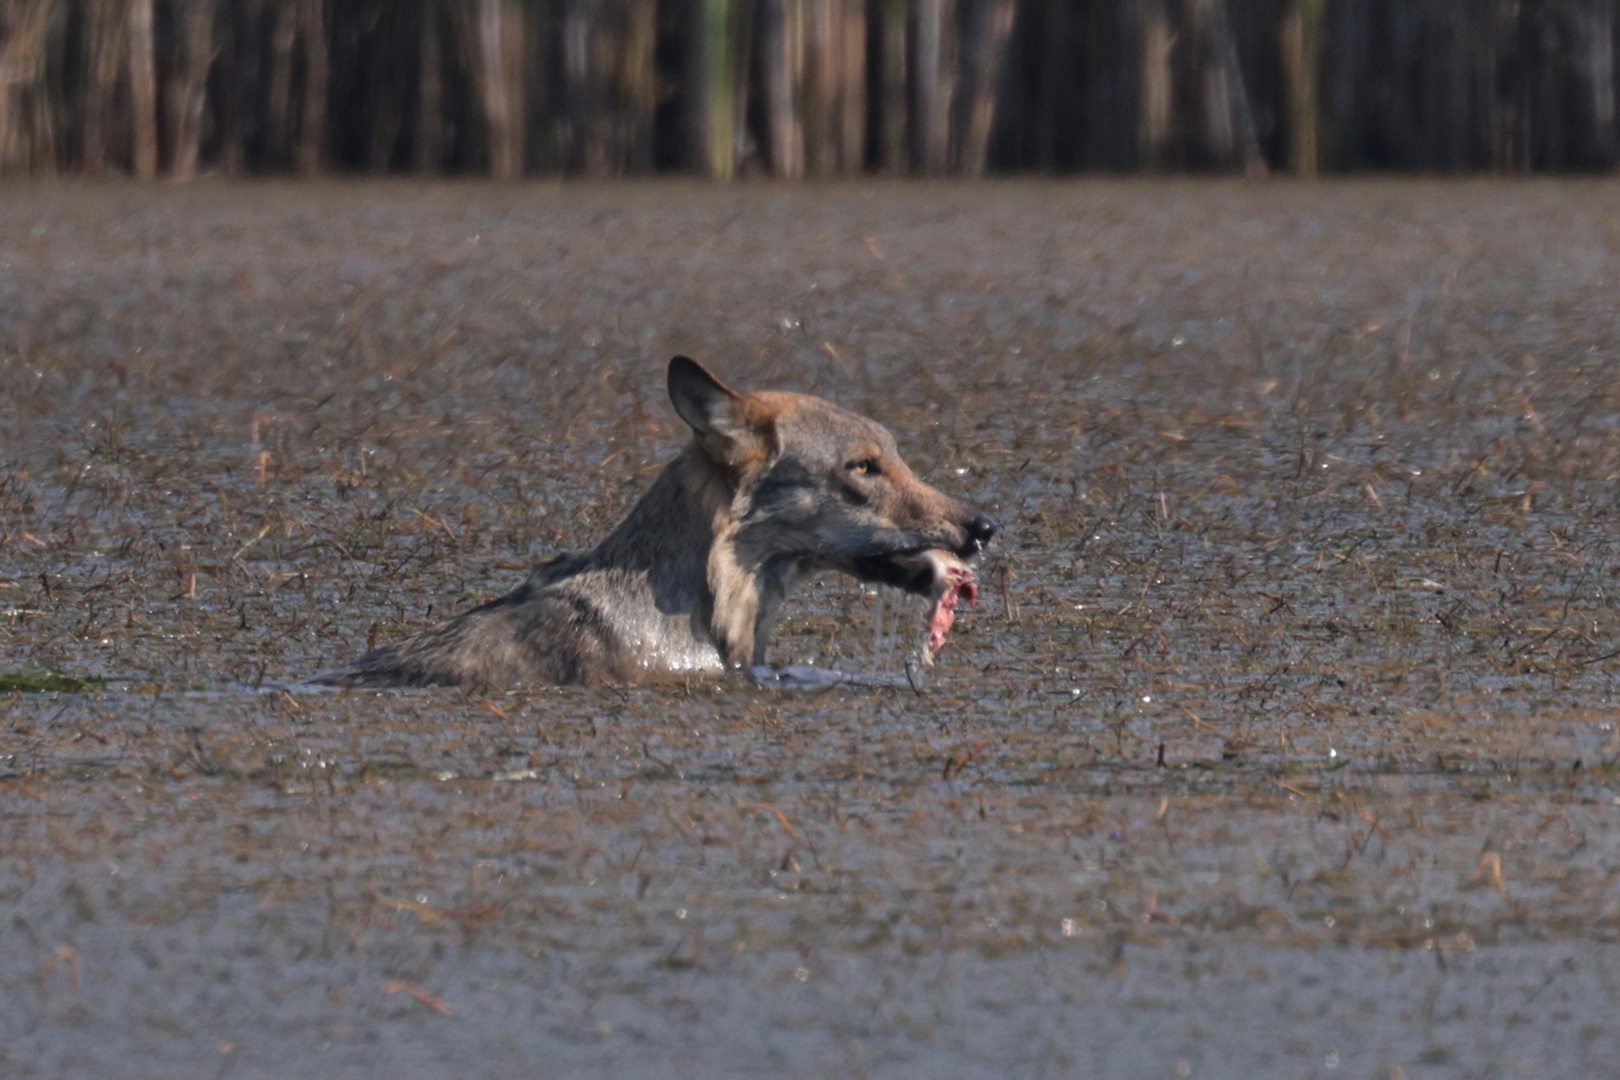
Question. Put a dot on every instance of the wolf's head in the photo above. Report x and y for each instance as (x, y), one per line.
(819, 487)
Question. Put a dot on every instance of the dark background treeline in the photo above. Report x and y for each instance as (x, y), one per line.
(804, 87)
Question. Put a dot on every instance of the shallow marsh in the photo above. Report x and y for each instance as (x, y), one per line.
(1283, 736)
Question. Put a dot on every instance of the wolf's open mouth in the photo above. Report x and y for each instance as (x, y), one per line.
(940, 575)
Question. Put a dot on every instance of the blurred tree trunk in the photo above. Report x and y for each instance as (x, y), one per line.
(500, 78)
(935, 82)
(543, 148)
(1157, 91)
(835, 91)
(853, 95)
(1345, 59)
(1442, 129)
(284, 17)
(893, 156)
(1228, 116)
(577, 31)
(1508, 93)
(783, 60)
(639, 83)
(104, 46)
(723, 143)
(1301, 37)
(388, 89)
(22, 82)
(983, 53)
(717, 90)
(188, 86)
(237, 62)
(822, 78)
(1108, 138)
(427, 148)
(312, 134)
(1054, 56)
(744, 87)
(143, 88)
(852, 125)
(586, 99)
(1592, 57)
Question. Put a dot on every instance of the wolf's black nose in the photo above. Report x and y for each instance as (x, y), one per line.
(981, 529)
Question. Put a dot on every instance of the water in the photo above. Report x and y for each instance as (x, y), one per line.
(1281, 738)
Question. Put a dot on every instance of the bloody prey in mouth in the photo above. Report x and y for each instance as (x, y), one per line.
(953, 580)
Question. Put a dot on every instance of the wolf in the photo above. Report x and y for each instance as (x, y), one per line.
(773, 487)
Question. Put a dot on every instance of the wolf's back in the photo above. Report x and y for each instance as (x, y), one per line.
(536, 633)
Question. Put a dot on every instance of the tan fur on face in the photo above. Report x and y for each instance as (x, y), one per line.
(735, 617)
(734, 610)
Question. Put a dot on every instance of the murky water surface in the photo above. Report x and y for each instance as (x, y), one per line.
(1282, 741)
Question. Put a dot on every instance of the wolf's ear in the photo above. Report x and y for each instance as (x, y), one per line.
(731, 427)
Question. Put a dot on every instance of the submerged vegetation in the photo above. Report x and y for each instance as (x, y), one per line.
(34, 682)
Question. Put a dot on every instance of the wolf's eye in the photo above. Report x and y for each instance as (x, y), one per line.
(865, 467)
